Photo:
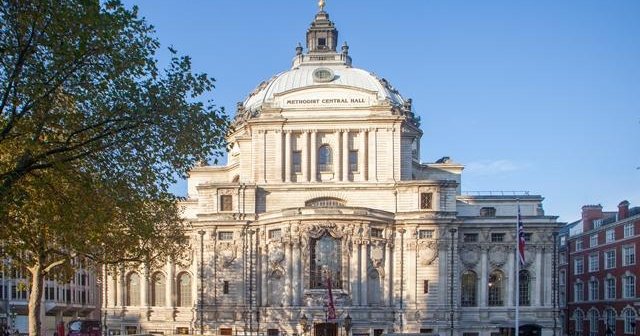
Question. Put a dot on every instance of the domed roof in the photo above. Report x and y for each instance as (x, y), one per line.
(328, 76)
(305, 76)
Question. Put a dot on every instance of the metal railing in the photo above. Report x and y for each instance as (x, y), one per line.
(496, 192)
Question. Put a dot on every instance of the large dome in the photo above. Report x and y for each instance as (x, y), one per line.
(321, 78)
(305, 76)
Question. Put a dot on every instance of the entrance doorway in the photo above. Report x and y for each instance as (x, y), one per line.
(326, 329)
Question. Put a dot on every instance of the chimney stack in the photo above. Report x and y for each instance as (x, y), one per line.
(623, 210)
(589, 214)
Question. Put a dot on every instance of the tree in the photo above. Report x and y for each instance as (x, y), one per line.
(92, 133)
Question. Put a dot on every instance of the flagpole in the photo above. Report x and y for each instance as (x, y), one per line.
(517, 268)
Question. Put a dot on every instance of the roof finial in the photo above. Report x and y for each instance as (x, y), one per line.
(321, 4)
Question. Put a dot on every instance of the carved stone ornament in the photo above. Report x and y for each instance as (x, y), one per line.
(276, 256)
(498, 256)
(427, 252)
(319, 298)
(228, 252)
(529, 256)
(377, 259)
(317, 230)
(469, 256)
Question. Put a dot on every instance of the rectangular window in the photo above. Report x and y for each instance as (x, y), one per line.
(610, 236)
(563, 258)
(628, 255)
(629, 230)
(353, 161)
(275, 233)
(225, 235)
(226, 203)
(563, 240)
(610, 259)
(377, 233)
(422, 234)
(426, 200)
(425, 286)
(497, 237)
(594, 265)
(593, 290)
(610, 288)
(296, 161)
(579, 244)
(593, 240)
(225, 287)
(578, 266)
(579, 292)
(224, 331)
(322, 42)
(470, 237)
(629, 286)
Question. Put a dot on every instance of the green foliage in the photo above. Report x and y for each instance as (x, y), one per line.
(92, 134)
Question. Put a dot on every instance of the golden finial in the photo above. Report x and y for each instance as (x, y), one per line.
(321, 5)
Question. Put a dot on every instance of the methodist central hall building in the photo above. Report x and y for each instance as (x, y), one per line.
(324, 185)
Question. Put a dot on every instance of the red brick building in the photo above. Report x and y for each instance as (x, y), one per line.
(598, 270)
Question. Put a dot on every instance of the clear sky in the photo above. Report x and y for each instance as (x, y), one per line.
(542, 96)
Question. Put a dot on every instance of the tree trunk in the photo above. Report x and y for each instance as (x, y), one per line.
(35, 298)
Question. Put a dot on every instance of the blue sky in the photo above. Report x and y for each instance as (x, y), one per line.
(542, 96)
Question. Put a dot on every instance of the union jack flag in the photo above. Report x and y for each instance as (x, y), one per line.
(521, 240)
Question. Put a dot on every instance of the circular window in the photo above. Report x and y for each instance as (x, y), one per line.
(323, 75)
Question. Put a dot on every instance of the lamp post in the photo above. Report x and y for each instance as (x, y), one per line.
(347, 324)
(453, 233)
(304, 323)
(201, 233)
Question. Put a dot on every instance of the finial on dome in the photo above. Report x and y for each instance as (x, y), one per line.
(321, 5)
(345, 48)
(299, 49)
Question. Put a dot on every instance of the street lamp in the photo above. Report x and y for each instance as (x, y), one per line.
(453, 232)
(304, 323)
(347, 324)
(201, 233)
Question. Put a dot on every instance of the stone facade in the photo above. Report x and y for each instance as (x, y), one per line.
(324, 184)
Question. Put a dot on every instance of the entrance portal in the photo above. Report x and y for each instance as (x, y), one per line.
(325, 329)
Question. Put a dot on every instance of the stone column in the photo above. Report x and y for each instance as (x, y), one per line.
(510, 288)
(364, 278)
(373, 166)
(386, 289)
(363, 157)
(296, 273)
(171, 283)
(288, 284)
(537, 289)
(278, 155)
(121, 287)
(287, 156)
(304, 157)
(337, 157)
(345, 155)
(144, 287)
(484, 274)
(264, 275)
(313, 150)
(354, 273)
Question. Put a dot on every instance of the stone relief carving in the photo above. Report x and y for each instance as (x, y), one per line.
(427, 252)
(497, 256)
(470, 256)
(377, 258)
(228, 252)
(276, 257)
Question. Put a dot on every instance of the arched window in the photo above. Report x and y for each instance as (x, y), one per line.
(158, 287)
(593, 317)
(488, 212)
(325, 259)
(325, 202)
(578, 317)
(610, 320)
(469, 289)
(629, 321)
(133, 289)
(325, 159)
(184, 290)
(525, 288)
(496, 288)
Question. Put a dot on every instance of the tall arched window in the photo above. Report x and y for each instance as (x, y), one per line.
(158, 287)
(133, 289)
(325, 159)
(629, 321)
(325, 259)
(578, 317)
(525, 288)
(469, 289)
(496, 288)
(184, 290)
(593, 317)
(610, 320)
